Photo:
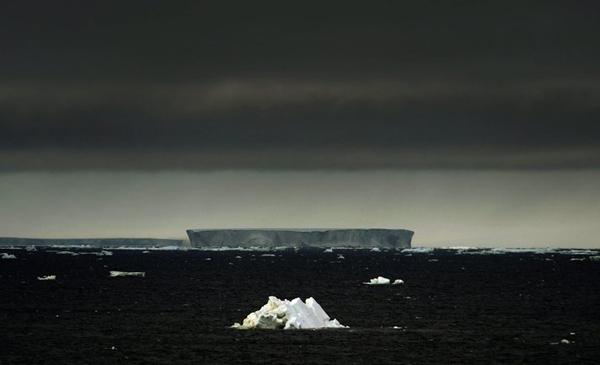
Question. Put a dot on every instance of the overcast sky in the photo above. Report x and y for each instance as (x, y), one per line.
(189, 89)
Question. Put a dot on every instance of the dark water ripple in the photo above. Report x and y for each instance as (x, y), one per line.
(509, 308)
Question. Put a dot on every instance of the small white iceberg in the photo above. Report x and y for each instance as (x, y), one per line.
(47, 277)
(140, 274)
(7, 256)
(328, 250)
(289, 314)
(398, 282)
(380, 280)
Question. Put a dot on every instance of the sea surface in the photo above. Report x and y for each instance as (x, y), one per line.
(457, 306)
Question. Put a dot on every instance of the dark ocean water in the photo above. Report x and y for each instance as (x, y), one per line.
(453, 309)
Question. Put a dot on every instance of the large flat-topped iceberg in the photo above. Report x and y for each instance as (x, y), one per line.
(359, 238)
(289, 314)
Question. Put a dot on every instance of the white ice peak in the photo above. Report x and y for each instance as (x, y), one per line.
(289, 314)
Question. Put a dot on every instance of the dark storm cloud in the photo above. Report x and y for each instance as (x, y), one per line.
(189, 85)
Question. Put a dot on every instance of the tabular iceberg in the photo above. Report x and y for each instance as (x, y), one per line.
(324, 238)
(289, 314)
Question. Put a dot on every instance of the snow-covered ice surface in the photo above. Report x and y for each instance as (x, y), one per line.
(127, 273)
(380, 280)
(7, 256)
(289, 314)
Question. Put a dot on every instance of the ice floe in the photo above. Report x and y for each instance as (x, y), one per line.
(418, 250)
(380, 280)
(7, 256)
(127, 273)
(47, 277)
(103, 253)
(71, 253)
(289, 314)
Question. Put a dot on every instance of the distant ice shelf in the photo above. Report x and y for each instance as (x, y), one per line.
(322, 238)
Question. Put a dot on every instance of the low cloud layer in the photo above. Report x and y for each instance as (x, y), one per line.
(190, 85)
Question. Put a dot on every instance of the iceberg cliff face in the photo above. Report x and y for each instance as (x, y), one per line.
(359, 238)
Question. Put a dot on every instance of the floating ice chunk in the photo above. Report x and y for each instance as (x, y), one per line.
(380, 280)
(329, 250)
(7, 256)
(577, 259)
(101, 253)
(67, 253)
(268, 255)
(340, 257)
(398, 282)
(30, 248)
(418, 250)
(47, 277)
(140, 274)
(594, 258)
(375, 249)
(564, 341)
(460, 248)
(286, 314)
